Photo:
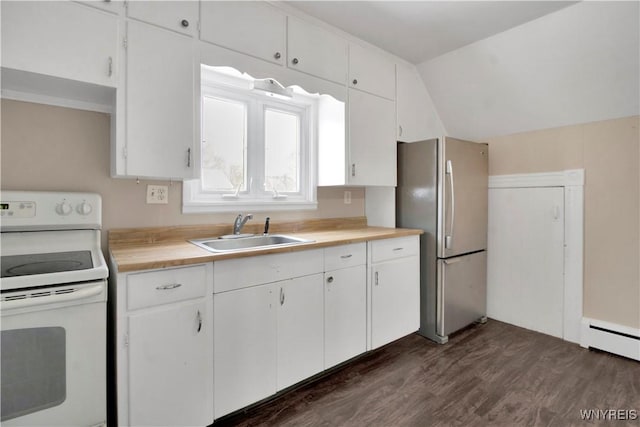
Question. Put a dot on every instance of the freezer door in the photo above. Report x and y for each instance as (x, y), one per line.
(461, 291)
(462, 197)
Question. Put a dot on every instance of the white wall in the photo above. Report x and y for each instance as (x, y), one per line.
(577, 65)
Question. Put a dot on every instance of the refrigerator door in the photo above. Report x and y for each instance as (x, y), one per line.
(461, 291)
(462, 197)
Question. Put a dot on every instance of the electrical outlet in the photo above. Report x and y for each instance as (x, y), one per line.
(157, 194)
(347, 197)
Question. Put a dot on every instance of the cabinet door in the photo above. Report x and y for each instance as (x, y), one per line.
(244, 347)
(395, 300)
(180, 16)
(372, 144)
(253, 28)
(345, 314)
(169, 367)
(60, 39)
(372, 72)
(300, 329)
(160, 103)
(415, 120)
(113, 6)
(316, 51)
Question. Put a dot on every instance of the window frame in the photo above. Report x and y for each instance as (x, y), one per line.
(256, 198)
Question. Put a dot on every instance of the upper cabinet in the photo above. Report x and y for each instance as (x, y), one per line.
(180, 16)
(371, 72)
(316, 51)
(60, 39)
(417, 119)
(113, 6)
(254, 28)
(160, 104)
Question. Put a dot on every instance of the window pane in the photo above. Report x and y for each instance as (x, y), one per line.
(282, 151)
(224, 145)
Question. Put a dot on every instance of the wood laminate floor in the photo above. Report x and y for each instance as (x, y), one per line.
(492, 374)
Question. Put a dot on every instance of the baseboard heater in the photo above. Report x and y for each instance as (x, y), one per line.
(610, 337)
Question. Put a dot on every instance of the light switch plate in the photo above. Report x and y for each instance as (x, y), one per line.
(157, 194)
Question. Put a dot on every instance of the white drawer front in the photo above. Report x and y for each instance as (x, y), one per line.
(343, 256)
(244, 272)
(152, 288)
(387, 249)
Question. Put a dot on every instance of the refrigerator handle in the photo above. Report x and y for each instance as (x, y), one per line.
(448, 239)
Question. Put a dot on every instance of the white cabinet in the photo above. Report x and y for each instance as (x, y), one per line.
(254, 28)
(372, 143)
(345, 303)
(371, 72)
(113, 6)
(164, 346)
(160, 104)
(168, 358)
(180, 16)
(300, 329)
(316, 51)
(60, 39)
(394, 282)
(245, 347)
(417, 118)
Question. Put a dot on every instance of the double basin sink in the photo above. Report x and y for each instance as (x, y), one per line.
(235, 243)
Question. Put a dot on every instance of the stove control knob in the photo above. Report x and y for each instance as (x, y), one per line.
(64, 208)
(84, 208)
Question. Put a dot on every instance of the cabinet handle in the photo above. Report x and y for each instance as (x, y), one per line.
(400, 130)
(110, 66)
(295, 61)
(199, 317)
(355, 82)
(330, 279)
(277, 55)
(353, 169)
(281, 296)
(184, 23)
(397, 249)
(168, 287)
(188, 157)
(376, 280)
(346, 256)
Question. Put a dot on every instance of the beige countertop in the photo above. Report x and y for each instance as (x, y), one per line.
(136, 255)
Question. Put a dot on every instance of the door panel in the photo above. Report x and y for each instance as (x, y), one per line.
(462, 288)
(463, 196)
(526, 258)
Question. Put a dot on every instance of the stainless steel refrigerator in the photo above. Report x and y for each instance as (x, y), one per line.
(442, 189)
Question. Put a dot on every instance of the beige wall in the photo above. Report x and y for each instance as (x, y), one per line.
(610, 155)
(54, 148)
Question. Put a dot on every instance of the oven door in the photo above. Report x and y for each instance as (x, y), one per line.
(54, 356)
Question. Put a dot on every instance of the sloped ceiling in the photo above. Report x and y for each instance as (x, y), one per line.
(577, 65)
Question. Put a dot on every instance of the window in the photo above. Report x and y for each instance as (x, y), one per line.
(258, 146)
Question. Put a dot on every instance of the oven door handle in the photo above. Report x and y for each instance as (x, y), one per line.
(76, 295)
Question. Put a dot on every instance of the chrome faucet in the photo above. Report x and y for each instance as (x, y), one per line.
(240, 222)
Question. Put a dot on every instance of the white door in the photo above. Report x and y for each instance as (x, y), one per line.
(395, 300)
(167, 353)
(525, 270)
(244, 347)
(372, 142)
(159, 102)
(180, 16)
(345, 314)
(371, 72)
(300, 329)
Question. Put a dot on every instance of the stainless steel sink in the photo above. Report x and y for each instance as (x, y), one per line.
(248, 242)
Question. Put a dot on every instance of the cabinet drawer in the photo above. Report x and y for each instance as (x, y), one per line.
(241, 273)
(165, 286)
(383, 250)
(344, 256)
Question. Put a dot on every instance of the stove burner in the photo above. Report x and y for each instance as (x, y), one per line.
(26, 265)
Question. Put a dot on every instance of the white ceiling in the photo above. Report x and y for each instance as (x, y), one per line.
(421, 30)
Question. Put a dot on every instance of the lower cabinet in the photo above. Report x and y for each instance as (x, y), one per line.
(164, 346)
(395, 289)
(266, 338)
(345, 314)
(167, 354)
